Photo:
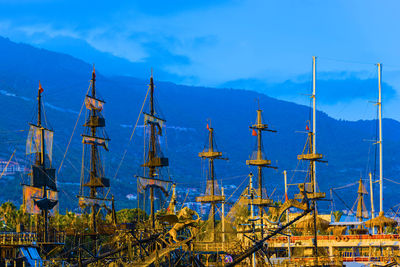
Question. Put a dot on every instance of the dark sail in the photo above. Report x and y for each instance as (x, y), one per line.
(41, 193)
(95, 139)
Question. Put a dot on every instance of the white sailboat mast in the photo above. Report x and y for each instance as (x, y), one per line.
(314, 150)
(380, 138)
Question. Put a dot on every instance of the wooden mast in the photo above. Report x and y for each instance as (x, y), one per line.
(260, 162)
(212, 197)
(96, 172)
(41, 161)
(42, 176)
(154, 159)
(93, 153)
(41, 158)
(312, 156)
(361, 203)
(152, 151)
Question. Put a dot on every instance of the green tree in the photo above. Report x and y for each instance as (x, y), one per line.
(130, 215)
(8, 215)
(337, 215)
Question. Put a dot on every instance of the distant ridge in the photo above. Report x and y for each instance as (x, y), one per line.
(65, 80)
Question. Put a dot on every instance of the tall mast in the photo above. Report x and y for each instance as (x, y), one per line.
(259, 155)
(312, 156)
(287, 211)
(152, 151)
(371, 189)
(40, 159)
(313, 163)
(361, 203)
(91, 137)
(93, 150)
(154, 158)
(211, 197)
(260, 162)
(314, 145)
(253, 256)
(212, 173)
(380, 139)
(39, 140)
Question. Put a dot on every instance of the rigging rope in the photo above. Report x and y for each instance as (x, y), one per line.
(345, 186)
(183, 203)
(130, 139)
(73, 131)
(133, 132)
(343, 202)
(391, 180)
(236, 189)
(5, 168)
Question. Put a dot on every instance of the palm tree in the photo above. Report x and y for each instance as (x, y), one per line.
(337, 215)
(7, 214)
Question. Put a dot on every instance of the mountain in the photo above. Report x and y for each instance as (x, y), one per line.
(187, 109)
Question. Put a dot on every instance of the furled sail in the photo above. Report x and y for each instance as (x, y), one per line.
(34, 141)
(93, 103)
(145, 182)
(89, 140)
(31, 193)
(85, 202)
(217, 190)
(150, 119)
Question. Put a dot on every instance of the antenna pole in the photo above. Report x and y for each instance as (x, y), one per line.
(314, 124)
(380, 139)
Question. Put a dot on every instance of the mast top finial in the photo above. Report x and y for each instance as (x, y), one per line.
(209, 127)
(40, 88)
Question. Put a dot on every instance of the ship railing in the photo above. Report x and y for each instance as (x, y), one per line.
(334, 237)
(35, 263)
(9, 238)
(307, 261)
(367, 259)
(213, 246)
(56, 237)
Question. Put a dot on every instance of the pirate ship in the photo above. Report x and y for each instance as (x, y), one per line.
(40, 195)
(337, 242)
(180, 237)
(40, 198)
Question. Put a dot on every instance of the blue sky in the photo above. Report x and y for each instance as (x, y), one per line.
(252, 44)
